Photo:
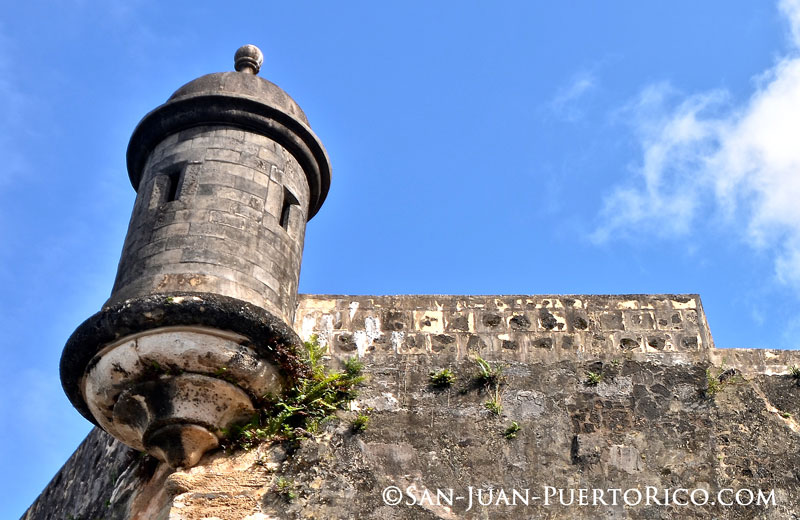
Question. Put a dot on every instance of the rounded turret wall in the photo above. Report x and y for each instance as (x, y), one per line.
(218, 210)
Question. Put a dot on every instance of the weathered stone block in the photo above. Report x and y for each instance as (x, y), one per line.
(638, 320)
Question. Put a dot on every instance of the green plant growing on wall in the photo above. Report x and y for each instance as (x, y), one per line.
(511, 431)
(490, 378)
(353, 367)
(593, 378)
(302, 407)
(315, 354)
(442, 379)
(493, 405)
(713, 384)
(360, 423)
(794, 373)
(286, 488)
(487, 374)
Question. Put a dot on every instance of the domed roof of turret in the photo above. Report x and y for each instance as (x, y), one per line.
(242, 99)
(241, 84)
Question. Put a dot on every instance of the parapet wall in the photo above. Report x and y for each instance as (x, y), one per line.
(522, 328)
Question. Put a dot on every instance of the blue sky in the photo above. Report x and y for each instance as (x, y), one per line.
(477, 148)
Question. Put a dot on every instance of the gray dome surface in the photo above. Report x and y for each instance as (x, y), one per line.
(241, 84)
(241, 99)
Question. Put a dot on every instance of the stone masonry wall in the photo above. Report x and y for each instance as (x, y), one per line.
(221, 233)
(524, 328)
(669, 412)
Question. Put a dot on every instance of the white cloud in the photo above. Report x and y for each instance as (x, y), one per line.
(702, 154)
(564, 103)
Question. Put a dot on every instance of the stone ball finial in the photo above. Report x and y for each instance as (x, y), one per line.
(248, 58)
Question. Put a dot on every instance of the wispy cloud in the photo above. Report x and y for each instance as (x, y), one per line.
(565, 103)
(14, 105)
(702, 155)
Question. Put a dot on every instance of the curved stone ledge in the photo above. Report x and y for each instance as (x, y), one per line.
(178, 418)
(268, 336)
(175, 391)
(175, 350)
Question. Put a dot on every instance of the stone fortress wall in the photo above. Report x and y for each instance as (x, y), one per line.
(647, 423)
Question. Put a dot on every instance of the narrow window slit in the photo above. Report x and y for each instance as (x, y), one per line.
(174, 180)
(289, 200)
